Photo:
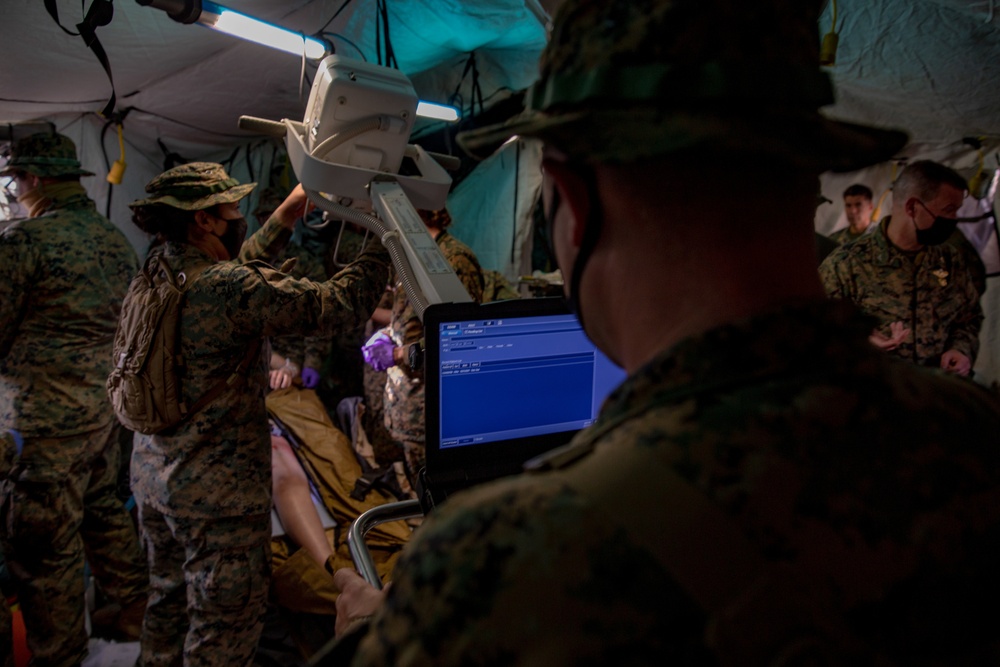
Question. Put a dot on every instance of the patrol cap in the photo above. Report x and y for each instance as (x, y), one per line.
(45, 154)
(193, 187)
(620, 81)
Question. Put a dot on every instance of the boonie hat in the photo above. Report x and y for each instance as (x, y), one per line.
(45, 154)
(193, 187)
(624, 80)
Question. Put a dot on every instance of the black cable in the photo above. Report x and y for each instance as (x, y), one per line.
(382, 33)
(335, 15)
(107, 167)
(188, 125)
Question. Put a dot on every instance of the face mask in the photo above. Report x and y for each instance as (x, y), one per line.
(232, 239)
(938, 232)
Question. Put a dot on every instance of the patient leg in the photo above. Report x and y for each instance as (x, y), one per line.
(294, 503)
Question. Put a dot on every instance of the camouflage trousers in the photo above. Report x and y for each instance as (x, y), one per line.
(61, 507)
(208, 588)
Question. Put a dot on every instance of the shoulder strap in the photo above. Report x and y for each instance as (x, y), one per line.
(183, 280)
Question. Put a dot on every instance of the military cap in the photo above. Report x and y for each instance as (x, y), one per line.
(620, 81)
(45, 154)
(194, 186)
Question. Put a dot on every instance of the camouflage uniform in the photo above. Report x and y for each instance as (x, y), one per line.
(497, 287)
(842, 236)
(930, 291)
(826, 454)
(345, 373)
(404, 391)
(63, 275)
(8, 456)
(204, 489)
(272, 244)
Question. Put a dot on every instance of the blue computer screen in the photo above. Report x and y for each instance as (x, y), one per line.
(518, 377)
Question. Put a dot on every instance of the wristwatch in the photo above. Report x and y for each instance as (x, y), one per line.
(416, 357)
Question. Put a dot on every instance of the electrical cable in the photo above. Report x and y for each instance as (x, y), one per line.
(382, 20)
(107, 167)
(187, 125)
(335, 15)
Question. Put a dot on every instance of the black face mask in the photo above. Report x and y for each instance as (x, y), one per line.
(236, 232)
(938, 232)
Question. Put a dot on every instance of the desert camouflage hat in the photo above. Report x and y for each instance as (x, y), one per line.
(45, 154)
(620, 81)
(194, 186)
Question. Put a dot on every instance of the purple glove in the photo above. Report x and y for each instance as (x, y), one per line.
(378, 352)
(18, 440)
(310, 378)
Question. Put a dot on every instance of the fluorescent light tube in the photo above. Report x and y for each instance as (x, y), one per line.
(246, 27)
(437, 111)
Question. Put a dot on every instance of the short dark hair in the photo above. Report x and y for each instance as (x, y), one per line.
(167, 222)
(924, 178)
(858, 190)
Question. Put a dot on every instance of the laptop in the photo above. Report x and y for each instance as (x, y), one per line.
(505, 382)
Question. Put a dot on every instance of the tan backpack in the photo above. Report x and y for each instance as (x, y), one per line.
(145, 385)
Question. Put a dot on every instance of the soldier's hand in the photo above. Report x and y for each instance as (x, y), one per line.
(898, 333)
(281, 378)
(955, 362)
(295, 206)
(358, 600)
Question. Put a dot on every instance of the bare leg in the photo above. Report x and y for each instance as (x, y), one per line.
(294, 503)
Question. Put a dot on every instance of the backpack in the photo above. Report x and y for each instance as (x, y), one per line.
(145, 385)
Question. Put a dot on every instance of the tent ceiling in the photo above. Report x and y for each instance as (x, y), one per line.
(931, 67)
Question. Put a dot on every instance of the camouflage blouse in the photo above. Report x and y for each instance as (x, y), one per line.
(218, 463)
(875, 481)
(931, 291)
(63, 276)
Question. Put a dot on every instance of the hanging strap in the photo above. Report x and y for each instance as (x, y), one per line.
(100, 14)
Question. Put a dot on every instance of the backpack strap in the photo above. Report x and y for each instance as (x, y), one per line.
(183, 280)
(222, 385)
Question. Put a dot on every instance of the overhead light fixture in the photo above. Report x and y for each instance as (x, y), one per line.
(237, 24)
(437, 111)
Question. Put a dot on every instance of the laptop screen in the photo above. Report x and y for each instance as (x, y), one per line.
(505, 382)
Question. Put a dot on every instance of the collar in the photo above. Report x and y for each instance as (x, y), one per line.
(65, 195)
(185, 253)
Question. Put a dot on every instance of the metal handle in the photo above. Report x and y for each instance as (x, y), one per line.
(271, 128)
(398, 511)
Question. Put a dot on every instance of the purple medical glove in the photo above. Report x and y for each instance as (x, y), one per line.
(378, 352)
(18, 440)
(310, 378)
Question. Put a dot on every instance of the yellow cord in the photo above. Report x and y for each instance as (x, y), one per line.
(117, 170)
